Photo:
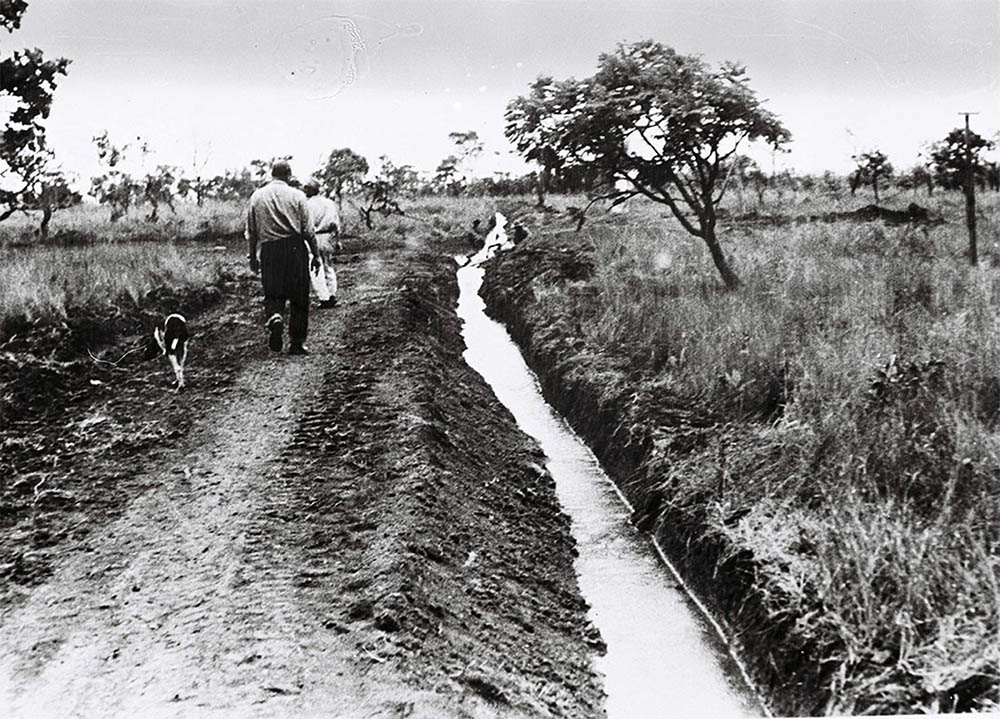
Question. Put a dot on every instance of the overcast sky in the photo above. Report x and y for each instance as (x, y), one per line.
(222, 82)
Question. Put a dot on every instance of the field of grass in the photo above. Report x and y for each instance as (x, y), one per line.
(91, 223)
(90, 265)
(855, 378)
(88, 222)
(49, 283)
(106, 264)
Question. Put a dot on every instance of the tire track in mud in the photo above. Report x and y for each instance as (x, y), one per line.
(362, 532)
(439, 559)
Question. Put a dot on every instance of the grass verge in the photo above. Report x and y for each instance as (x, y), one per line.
(817, 452)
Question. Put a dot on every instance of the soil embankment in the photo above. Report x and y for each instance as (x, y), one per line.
(914, 214)
(361, 532)
(621, 421)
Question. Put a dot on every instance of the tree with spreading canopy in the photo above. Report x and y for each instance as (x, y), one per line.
(27, 84)
(531, 127)
(950, 158)
(747, 174)
(233, 185)
(115, 187)
(200, 187)
(119, 190)
(54, 193)
(158, 188)
(656, 124)
(403, 178)
(468, 144)
(448, 175)
(344, 171)
(915, 178)
(382, 193)
(871, 168)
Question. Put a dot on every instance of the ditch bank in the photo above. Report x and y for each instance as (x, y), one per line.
(624, 421)
(644, 613)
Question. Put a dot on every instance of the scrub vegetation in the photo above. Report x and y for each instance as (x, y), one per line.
(90, 265)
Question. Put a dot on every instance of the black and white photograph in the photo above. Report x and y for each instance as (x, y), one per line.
(499, 359)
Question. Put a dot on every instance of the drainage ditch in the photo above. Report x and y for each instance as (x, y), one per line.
(664, 652)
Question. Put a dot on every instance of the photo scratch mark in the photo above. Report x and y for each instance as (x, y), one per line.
(332, 53)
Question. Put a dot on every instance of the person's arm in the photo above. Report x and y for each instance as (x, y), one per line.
(251, 235)
(332, 226)
(326, 227)
(335, 212)
(308, 231)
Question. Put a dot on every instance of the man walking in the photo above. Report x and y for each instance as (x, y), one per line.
(326, 221)
(278, 221)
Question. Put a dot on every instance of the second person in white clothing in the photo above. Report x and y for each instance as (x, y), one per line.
(326, 221)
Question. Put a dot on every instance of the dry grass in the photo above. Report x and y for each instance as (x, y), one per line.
(47, 283)
(108, 267)
(90, 222)
(91, 265)
(859, 370)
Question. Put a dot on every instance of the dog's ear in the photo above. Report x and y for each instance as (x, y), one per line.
(158, 336)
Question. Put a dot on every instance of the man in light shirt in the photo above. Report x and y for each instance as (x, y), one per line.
(279, 223)
(326, 221)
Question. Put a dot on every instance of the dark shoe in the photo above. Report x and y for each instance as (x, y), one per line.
(327, 304)
(275, 329)
(298, 348)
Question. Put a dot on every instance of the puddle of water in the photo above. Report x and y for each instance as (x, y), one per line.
(663, 657)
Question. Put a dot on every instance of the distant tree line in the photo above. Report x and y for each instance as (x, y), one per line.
(346, 174)
(649, 123)
(948, 162)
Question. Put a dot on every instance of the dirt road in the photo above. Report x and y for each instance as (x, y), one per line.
(361, 532)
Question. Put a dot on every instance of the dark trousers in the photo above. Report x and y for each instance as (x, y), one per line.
(284, 273)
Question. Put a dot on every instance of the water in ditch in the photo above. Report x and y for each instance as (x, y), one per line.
(664, 658)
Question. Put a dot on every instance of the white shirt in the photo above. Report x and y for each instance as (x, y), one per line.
(325, 214)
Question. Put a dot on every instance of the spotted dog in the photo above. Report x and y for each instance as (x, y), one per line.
(172, 340)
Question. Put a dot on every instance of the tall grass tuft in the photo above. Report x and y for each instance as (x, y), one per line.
(47, 283)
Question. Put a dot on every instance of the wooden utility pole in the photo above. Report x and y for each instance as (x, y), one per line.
(970, 193)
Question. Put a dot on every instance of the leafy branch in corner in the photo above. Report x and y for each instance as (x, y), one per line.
(27, 179)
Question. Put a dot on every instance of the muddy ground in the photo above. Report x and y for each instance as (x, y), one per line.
(360, 532)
